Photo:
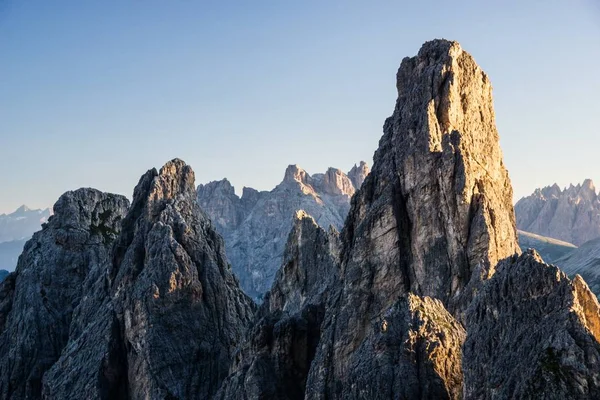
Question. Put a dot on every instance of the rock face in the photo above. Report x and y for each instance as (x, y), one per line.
(432, 219)
(572, 214)
(549, 249)
(38, 301)
(254, 225)
(584, 261)
(138, 307)
(275, 360)
(532, 334)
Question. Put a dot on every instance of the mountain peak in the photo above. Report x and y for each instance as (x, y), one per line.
(293, 173)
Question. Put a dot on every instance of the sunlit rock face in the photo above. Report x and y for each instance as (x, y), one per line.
(39, 302)
(255, 226)
(532, 333)
(572, 214)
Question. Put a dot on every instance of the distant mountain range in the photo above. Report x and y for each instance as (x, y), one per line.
(571, 215)
(15, 229)
(255, 227)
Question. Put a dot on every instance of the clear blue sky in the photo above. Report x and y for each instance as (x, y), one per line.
(94, 93)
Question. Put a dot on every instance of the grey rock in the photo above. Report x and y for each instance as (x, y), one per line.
(571, 215)
(276, 357)
(38, 300)
(358, 173)
(255, 226)
(549, 249)
(532, 334)
(173, 314)
(432, 218)
(3, 274)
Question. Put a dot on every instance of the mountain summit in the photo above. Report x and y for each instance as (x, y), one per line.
(572, 214)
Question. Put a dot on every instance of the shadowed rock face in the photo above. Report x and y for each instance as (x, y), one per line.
(572, 214)
(138, 305)
(532, 333)
(38, 302)
(255, 226)
(180, 309)
(275, 360)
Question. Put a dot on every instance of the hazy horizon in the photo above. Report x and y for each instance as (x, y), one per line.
(96, 94)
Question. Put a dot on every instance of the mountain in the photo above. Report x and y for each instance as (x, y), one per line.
(3, 274)
(549, 249)
(426, 295)
(571, 215)
(584, 261)
(255, 226)
(22, 223)
(110, 301)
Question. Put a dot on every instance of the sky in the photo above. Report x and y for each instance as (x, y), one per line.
(94, 93)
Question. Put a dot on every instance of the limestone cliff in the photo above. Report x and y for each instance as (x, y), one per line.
(255, 226)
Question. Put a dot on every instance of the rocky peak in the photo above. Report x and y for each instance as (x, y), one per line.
(547, 324)
(293, 173)
(358, 174)
(431, 220)
(336, 182)
(49, 284)
(287, 329)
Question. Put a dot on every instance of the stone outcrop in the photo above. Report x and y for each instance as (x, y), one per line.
(275, 360)
(532, 334)
(254, 225)
(572, 214)
(137, 305)
(38, 301)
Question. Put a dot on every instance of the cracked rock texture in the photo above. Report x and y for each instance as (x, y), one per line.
(274, 362)
(572, 214)
(141, 305)
(255, 226)
(532, 334)
(39, 301)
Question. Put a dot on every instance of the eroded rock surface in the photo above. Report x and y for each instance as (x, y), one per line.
(275, 360)
(532, 334)
(38, 301)
(174, 312)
